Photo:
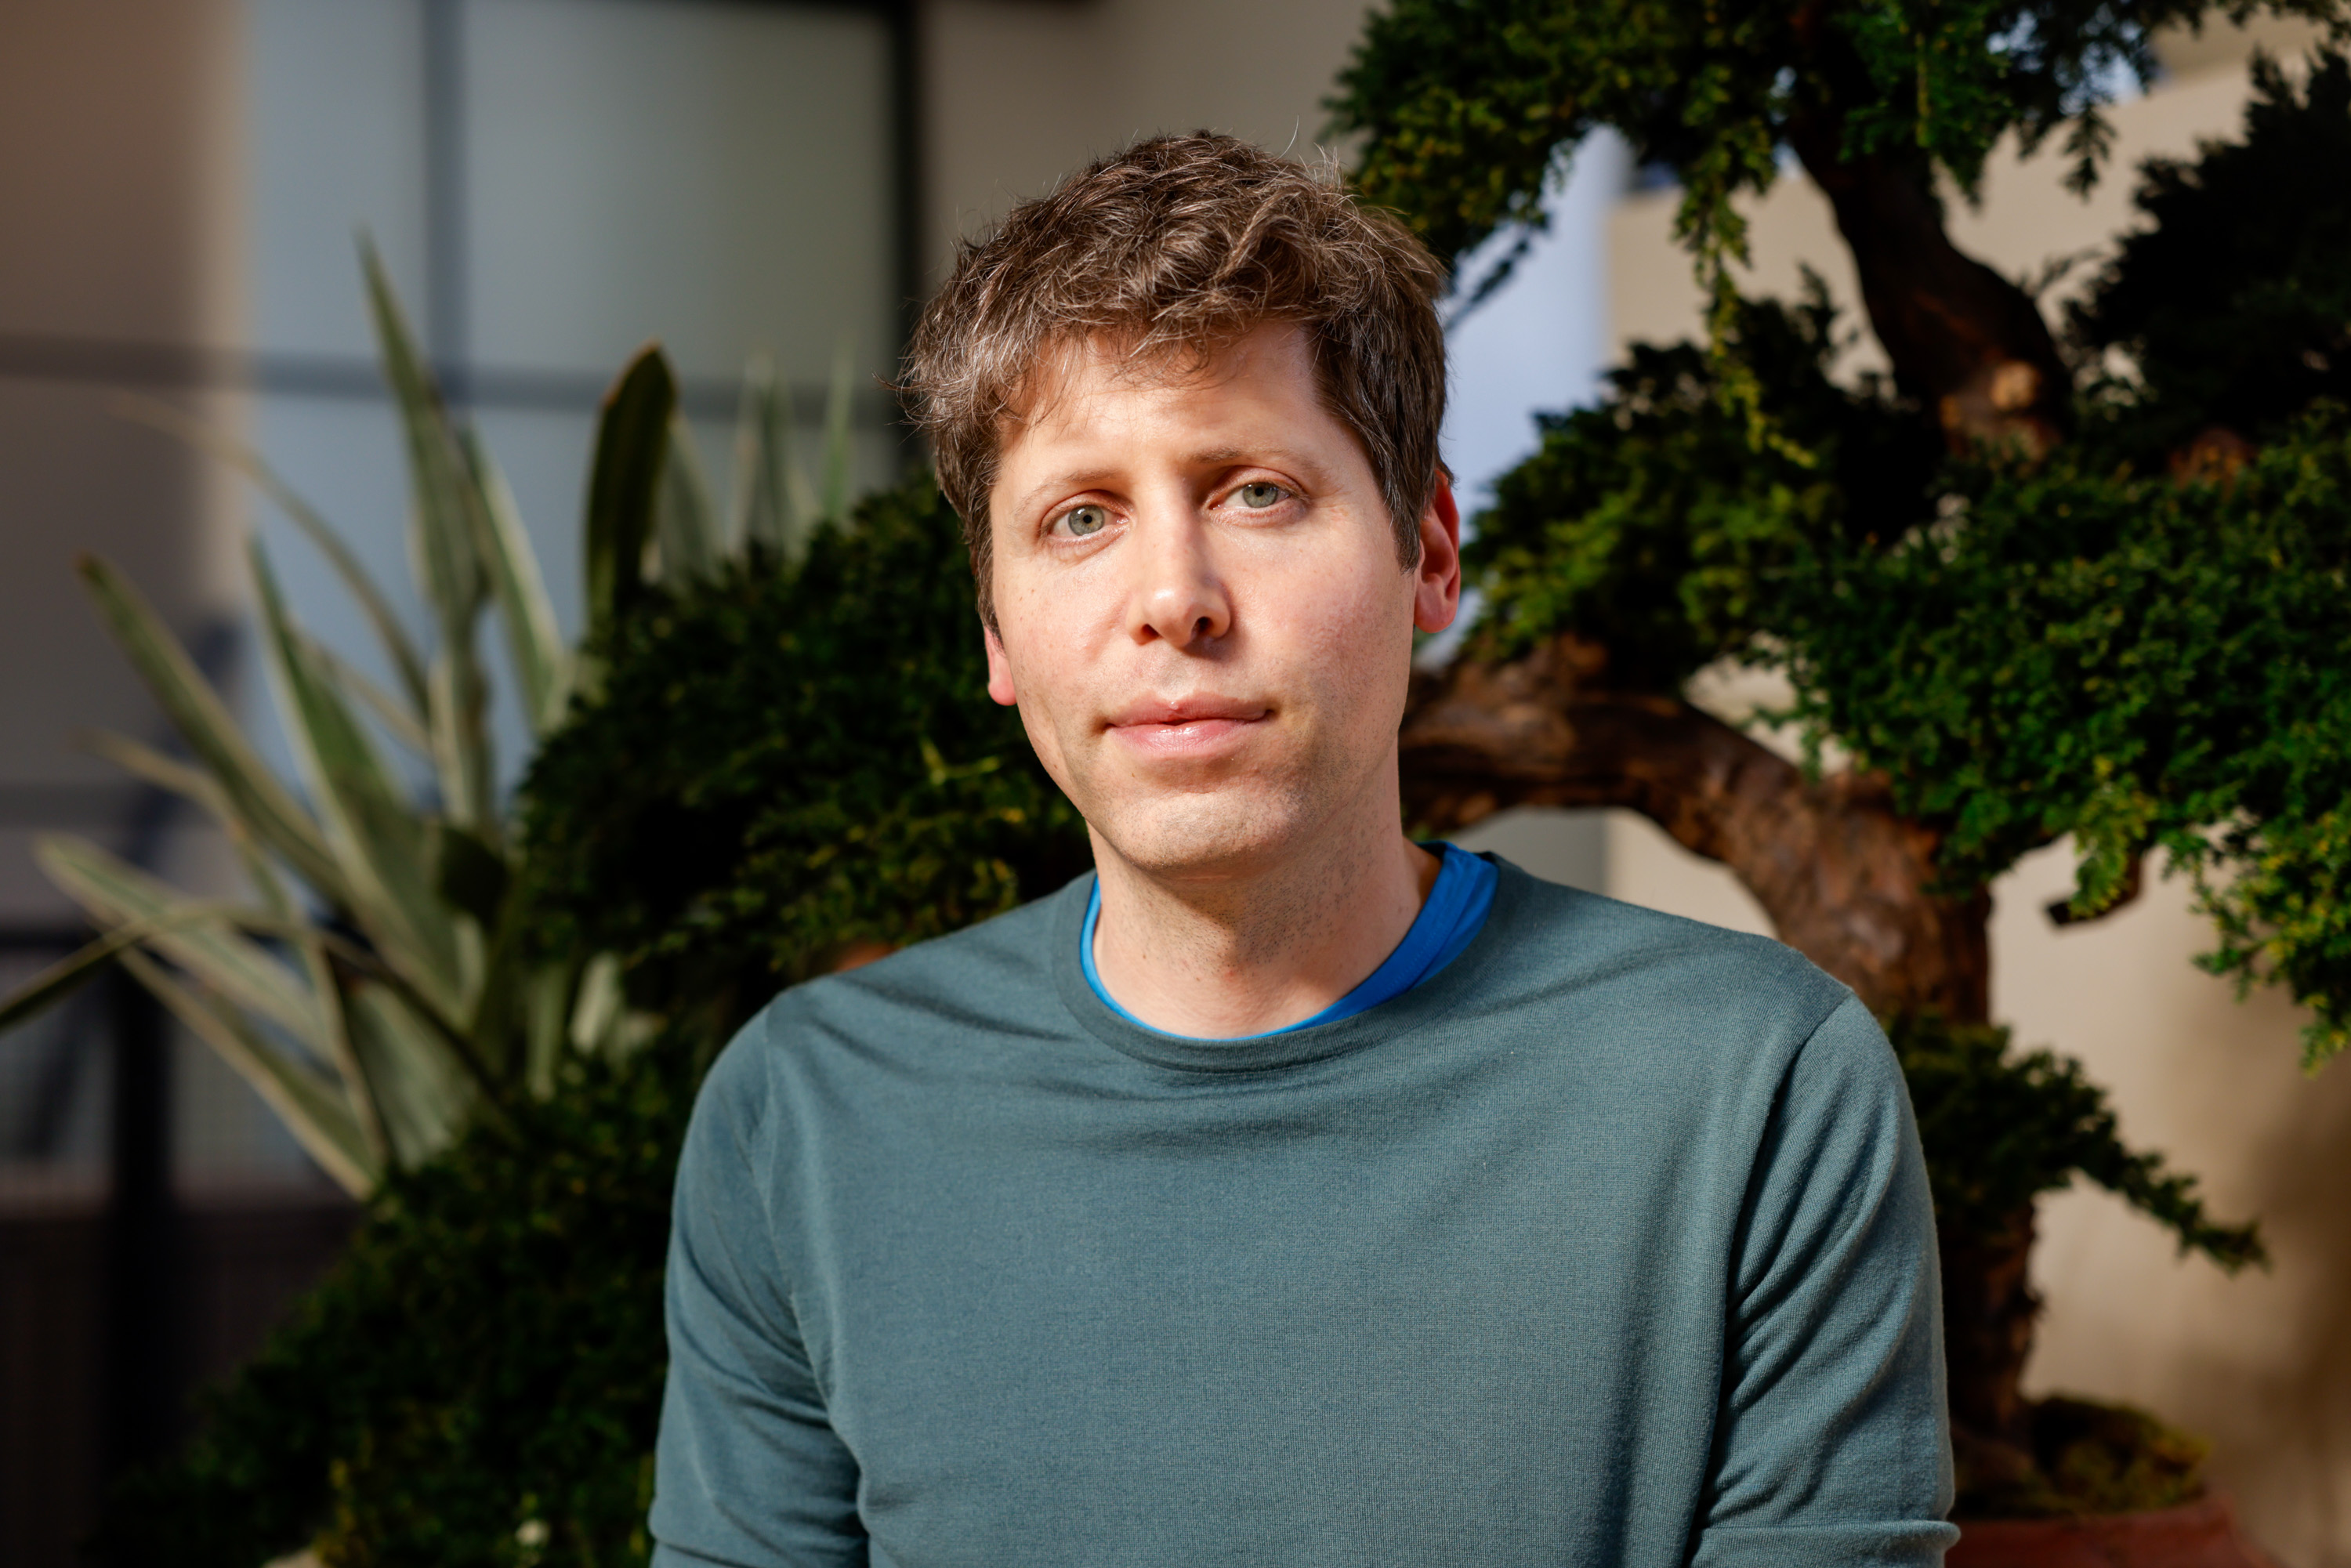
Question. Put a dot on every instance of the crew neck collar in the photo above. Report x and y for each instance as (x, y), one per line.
(1288, 1048)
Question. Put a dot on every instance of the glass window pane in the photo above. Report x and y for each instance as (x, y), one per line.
(338, 145)
(713, 175)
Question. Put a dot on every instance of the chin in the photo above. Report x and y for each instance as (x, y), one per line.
(1211, 833)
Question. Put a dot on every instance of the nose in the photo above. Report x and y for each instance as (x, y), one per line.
(1178, 594)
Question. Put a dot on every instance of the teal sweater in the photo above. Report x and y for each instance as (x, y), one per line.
(1608, 1244)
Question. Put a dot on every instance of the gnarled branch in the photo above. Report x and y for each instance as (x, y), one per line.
(1965, 341)
(1844, 878)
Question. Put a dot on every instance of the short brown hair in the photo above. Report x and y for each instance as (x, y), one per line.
(1177, 246)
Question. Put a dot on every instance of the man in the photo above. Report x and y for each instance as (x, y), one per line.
(1285, 1192)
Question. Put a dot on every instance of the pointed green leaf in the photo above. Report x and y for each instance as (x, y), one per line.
(67, 976)
(549, 990)
(311, 1108)
(423, 1096)
(310, 943)
(602, 1023)
(461, 741)
(381, 841)
(358, 1093)
(145, 763)
(266, 807)
(406, 662)
(686, 525)
(760, 508)
(542, 660)
(624, 481)
(597, 1009)
(805, 511)
(394, 716)
(445, 502)
(442, 489)
(196, 934)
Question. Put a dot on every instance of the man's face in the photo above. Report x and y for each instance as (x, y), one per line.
(1201, 611)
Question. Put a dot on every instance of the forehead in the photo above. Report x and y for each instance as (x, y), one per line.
(1255, 393)
(1074, 377)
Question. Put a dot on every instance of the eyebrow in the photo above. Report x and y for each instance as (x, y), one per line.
(1267, 456)
(1215, 457)
(1076, 480)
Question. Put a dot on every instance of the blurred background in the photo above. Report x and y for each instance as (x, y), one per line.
(551, 182)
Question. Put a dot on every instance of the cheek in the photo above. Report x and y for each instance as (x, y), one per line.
(1037, 708)
(1354, 641)
(1048, 669)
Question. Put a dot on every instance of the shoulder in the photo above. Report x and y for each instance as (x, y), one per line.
(1555, 939)
(973, 985)
(1717, 1033)
(1667, 1017)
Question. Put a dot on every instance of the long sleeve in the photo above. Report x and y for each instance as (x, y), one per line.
(1831, 1446)
(749, 1473)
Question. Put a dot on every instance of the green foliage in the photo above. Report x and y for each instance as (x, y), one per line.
(1466, 106)
(2234, 305)
(482, 1370)
(2285, 912)
(374, 987)
(1655, 525)
(787, 763)
(2141, 664)
(780, 762)
(2001, 1128)
(406, 994)
(2090, 647)
(2087, 1459)
(479, 1380)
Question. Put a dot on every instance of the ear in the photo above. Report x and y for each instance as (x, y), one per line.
(999, 668)
(1437, 586)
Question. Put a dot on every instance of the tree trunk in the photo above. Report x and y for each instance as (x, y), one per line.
(1969, 344)
(1845, 878)
(1987, 1311)
(1965, 341)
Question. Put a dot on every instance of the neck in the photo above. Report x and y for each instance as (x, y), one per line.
(1240, 953)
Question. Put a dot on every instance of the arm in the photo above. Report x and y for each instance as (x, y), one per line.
(1830, 1447)
(748, 1473)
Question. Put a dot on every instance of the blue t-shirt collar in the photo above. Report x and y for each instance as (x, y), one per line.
(1448, 921)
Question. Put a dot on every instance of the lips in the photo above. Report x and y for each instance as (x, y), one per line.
(1186, 711)
(1192, 726)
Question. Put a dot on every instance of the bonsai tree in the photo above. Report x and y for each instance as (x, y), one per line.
(2017, 597)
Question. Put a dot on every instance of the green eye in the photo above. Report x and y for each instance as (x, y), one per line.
(1259, 497)
(1083, 520)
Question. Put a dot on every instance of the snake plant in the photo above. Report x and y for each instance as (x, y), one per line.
(374, 984)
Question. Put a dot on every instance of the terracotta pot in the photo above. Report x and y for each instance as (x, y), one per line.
(2202, 1534)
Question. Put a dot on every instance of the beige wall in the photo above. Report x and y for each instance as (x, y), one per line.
(2262, 1363)
(1017, 92)
(122, 189)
